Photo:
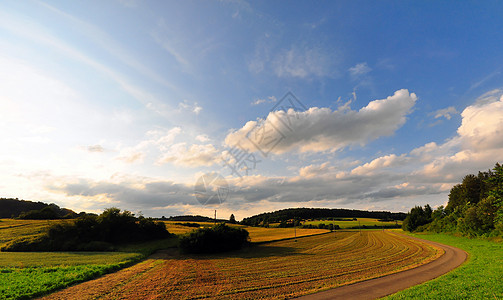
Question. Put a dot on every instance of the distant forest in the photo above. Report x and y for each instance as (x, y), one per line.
(475, 208)
(188, 218)
(24, 209)
(318, 213)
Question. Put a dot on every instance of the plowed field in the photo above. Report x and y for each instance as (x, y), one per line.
(269, 271)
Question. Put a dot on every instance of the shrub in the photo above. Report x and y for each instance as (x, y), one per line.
(218, 238)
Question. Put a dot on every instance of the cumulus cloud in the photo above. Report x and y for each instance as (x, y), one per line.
(380, 163)
(478, 144)
(191, 156)
(314, 170)
(141, 193)
(482, 125)
(323, 129)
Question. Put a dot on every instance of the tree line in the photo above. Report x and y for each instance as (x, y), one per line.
(286, 215)
(25, 209)
(475, 208)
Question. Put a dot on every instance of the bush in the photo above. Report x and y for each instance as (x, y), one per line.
(218, 238)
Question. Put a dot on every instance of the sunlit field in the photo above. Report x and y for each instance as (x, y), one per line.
(28, 274)
(257, 234)
(274, 270)
(367, 222)
(269, 269)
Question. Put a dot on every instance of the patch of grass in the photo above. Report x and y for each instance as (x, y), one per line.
(25, 283)
(481, 277)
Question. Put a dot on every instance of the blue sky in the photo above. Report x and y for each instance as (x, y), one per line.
(129, 103)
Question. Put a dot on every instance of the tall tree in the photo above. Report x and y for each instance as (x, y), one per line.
(232, 219)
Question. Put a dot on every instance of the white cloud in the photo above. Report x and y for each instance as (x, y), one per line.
(270, 99)
(359, 69)
(161, 139)
(303, 62)
(203, 138)
(379, 164)
(185, 106)
(445, 112)
(314, 170)
(191, 156)
(321, 129)
(482, 125)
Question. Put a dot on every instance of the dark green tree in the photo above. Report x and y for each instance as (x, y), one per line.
(232, 219)
(417, 216)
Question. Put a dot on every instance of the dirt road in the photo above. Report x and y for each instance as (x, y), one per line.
(390, 284)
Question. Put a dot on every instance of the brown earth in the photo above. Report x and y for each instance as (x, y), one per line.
(156, 279)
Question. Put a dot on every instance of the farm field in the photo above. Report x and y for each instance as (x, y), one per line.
(272, 270)
(257, 234)
(368, 222)
(26, 274)
(54, 270)
(478, 278)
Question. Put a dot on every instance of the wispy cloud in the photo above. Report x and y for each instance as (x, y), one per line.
(303, 62)
(109, 44)
(359, 70)
(445, 113)
(270, 99)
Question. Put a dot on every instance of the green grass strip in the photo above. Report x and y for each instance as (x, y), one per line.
(481, 277)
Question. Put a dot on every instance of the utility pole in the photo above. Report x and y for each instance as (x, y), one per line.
(215, 217)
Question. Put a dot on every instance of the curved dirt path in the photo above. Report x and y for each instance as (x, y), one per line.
(390, 284)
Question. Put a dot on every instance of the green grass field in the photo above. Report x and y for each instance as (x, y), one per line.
(368, 222)
(481, 277)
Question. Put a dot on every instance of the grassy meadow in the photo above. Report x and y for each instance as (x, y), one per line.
(481, 277)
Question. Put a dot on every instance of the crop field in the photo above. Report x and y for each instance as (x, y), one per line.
(27, 274)
(272, 270)
(479, 278)
(257, 234)
(368, 222)
(10, 228)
